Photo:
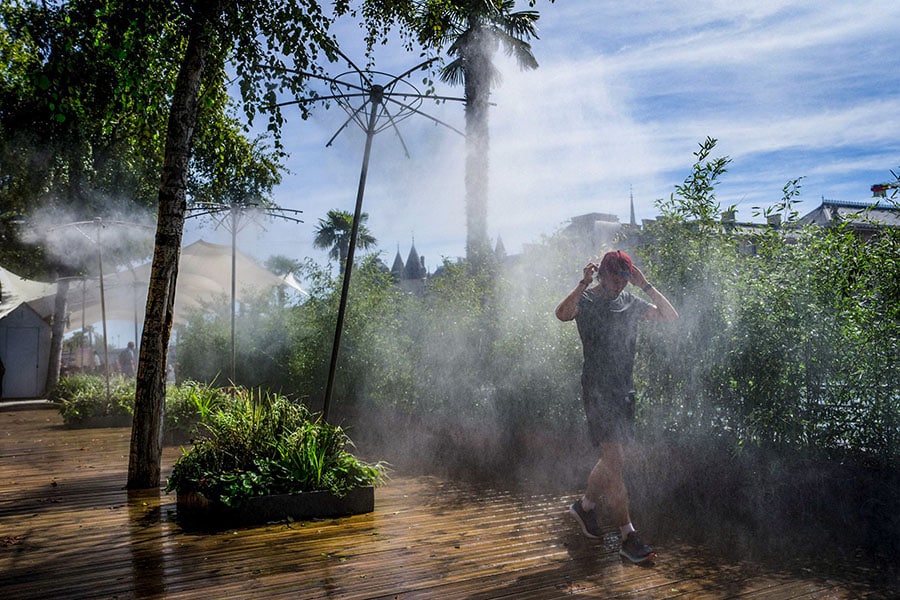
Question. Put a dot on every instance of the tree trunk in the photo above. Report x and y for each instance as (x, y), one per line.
(477, 84)
(150, 393)
(57, 331)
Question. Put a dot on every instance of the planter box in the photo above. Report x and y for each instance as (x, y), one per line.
(178, 437)
(194, 510)
(101, 422)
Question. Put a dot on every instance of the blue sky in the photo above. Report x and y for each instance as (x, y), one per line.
(624, 95)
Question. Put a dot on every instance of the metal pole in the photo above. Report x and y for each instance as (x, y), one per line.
(84, 329)
(234, 210)
(103, 306)
(134, 298)
(375, 96)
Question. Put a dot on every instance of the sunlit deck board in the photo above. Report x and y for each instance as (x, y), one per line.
(69, 530)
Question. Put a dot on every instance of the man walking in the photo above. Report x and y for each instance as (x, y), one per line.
(126, 360)
(607, 317)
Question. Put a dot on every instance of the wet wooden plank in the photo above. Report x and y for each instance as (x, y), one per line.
(69, 530)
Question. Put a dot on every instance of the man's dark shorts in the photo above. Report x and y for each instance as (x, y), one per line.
(610, 417)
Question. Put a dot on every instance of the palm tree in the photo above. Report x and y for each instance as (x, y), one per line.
(475, 30)
(283, 266)
(333, 234)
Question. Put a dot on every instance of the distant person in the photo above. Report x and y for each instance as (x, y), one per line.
(126, 360)
(97, 363)
(607, 317)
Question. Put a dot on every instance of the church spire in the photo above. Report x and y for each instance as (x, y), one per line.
(500, 249)
(631, 194)
(397, 267)
(415, 269)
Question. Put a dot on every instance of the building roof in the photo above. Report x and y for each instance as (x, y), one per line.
(863, 215)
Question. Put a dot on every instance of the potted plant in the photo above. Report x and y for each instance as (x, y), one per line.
(265, 458)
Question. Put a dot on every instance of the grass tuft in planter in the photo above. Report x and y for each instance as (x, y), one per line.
(267, 445)
(191, 403)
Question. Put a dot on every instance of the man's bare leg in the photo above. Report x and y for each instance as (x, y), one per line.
(607, 482)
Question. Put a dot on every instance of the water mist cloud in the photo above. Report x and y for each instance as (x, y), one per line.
(71, 239)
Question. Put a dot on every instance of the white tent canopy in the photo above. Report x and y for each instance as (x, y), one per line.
(204, 279)
(15, 290)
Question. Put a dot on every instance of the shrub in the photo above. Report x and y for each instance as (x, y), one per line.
(82, 397)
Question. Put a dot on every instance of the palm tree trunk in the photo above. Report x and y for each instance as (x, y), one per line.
(477, 147)
(343, 249)
(146, 448)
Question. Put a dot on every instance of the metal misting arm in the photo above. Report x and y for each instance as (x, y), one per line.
(325, 78)
(393, 123)
(337, 97)
(354, 116)
(426, 115)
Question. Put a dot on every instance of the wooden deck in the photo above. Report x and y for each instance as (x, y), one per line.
(69, 530)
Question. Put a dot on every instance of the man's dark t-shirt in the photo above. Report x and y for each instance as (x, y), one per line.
(608, 330)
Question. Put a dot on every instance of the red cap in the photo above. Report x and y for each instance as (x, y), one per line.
(616, 263)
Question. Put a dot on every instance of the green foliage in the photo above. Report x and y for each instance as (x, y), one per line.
(264, 445)
(536, 361)
(788, 335)
(471, 352)
(816, 341)
(284, 347)
(82, 397)
(450, 336)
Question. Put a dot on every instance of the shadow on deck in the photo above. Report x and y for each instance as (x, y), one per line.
(68, 529)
